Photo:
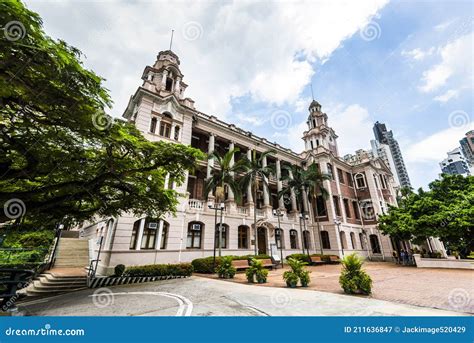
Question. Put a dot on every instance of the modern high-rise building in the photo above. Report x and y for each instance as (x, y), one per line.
(467, 148)
(383, 136)
(455, 163)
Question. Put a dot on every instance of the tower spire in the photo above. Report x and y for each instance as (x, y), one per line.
(312, 94)
(171, 40)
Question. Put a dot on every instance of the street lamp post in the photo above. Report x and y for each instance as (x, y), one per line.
(217, 207)
(279, 214)
(304, 217)
(338, 224)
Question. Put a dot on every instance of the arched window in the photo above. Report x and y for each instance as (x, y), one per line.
(243, 237)
(176, 133)
(342, 234)
(293, 239)
(374, 243)
(153, 123)
(195, 233)
(353, 240)
(362, 241)
(325, 240)
(134, 238)
(225, 231)
(164, 235)
(360, 181)
(149, 234)
(279, 238)
(306, 239)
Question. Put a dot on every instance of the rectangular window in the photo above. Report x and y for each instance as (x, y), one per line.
(330, 171)
(346, 208)
(165, 129)
(336, 205)
(340, 174)
(243, 239)
(349, 179)
(356, 209)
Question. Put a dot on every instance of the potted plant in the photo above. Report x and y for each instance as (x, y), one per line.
(304, 278)
(226, 270)
(291, 279)
(261, 275)
(353, 279)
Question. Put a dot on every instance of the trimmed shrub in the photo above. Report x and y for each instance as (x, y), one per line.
(205, 265)
(182, 269)
(353, 279)
(299, 257)
(119, 269)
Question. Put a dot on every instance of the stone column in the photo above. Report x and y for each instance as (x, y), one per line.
(249, 189)
(266, 197)
(177, 85)
(140, 234)
(210, 148)
(159, 234)
(230, 193)
(163, 80)
(210, 162)
(294, 207)
(281, 202)
(173, 127)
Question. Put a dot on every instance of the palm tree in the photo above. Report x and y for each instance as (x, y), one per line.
(255, 172)
(221, 176)
(306, 181)
(317, 188)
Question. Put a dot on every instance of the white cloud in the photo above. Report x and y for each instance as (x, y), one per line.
(265, 49)
(434, 147)
(353, 125)
(448, 95)
(456, 63)
(418, 54)
(444, 25)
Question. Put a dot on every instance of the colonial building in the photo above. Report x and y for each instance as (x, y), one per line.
(358, 192)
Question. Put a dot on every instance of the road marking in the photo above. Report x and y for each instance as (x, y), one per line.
(185, 305)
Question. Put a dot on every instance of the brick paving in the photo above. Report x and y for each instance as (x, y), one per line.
(437, 288)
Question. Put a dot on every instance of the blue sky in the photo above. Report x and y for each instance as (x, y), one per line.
(406, 63)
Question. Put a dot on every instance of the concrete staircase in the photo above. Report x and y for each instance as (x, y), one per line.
(69, 272)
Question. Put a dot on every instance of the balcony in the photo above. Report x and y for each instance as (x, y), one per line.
(260, 212)
(242, 210)
(195, 204)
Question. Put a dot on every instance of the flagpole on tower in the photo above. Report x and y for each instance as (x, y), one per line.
(312, 94)
(171, 40)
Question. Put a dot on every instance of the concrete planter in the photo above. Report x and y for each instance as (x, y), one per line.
(443, 263)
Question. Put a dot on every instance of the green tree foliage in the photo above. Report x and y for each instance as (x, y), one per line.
(60, 154)
(446, 211)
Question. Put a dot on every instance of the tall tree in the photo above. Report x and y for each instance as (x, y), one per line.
(305, 183)
(256, 173)
(221, 176)
(61, 157)
(446, 211)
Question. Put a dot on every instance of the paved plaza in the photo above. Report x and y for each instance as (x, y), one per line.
(199, 296)
(436, 288)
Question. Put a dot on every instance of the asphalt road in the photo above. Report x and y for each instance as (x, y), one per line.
(206, 297)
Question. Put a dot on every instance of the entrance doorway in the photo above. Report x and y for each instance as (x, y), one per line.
(262, 240)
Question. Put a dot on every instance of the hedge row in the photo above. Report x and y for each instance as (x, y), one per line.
(182, 269)
(307, 259)
(206, 265)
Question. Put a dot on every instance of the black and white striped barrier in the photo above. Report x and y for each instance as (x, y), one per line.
(104, 281)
